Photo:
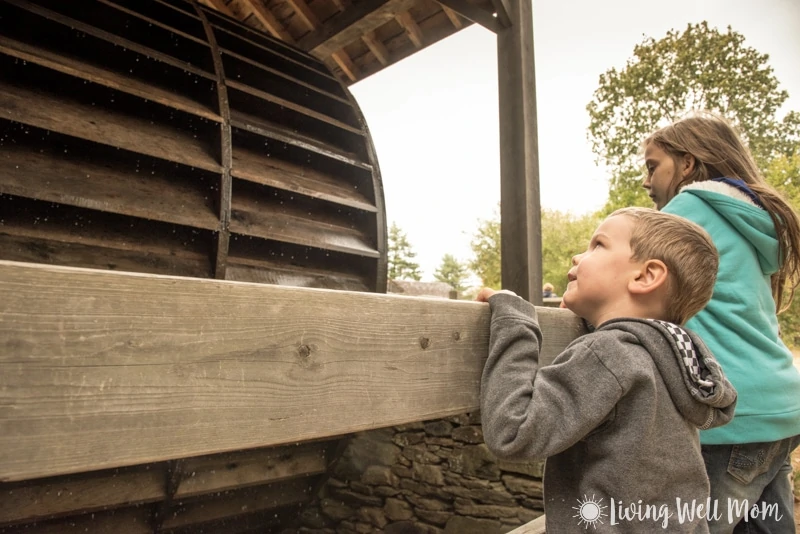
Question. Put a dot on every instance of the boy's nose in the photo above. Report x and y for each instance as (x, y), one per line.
(576, 259)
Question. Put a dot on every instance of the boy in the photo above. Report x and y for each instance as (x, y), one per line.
(617, 413)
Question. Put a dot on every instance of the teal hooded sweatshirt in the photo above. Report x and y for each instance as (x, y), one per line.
(739, 324)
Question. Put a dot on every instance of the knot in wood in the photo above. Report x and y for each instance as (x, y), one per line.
(456, 336)
(424, 342)
(304, 351)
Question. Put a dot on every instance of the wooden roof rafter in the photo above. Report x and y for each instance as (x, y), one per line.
(358, 38)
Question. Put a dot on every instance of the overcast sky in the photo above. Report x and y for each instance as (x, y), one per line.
(434, 120)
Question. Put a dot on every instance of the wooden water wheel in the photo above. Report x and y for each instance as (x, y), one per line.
(157, 136)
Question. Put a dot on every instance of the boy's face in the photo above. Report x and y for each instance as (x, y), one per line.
(598, 280)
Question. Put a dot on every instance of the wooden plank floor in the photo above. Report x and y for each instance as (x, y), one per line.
(104, 369)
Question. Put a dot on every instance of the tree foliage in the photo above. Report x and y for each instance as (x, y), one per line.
(401, 255)
(485, 246)
(563, 236)
(783, 173)
(453, 272)
(699, 68)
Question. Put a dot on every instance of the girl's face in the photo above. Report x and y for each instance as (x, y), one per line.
(662, 175)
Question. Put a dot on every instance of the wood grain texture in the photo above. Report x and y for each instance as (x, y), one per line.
(73, 67)
(204, 475)
(104, 126)
(102, 369)
(520, 209)
(263, 169)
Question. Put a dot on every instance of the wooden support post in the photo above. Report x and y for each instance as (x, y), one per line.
(521, 235)
(102, 369)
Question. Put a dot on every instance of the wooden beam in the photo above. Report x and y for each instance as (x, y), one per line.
(351, 24)
(220, 6)
(501, 9)
(270, 21)
(102, 369)
(312, 23)
(474, 13)
(453, 16)
(104, 490)
(305, 14)
(410, 26)
(376, 47)
(534, 527)
(346, 64)
(520, 211)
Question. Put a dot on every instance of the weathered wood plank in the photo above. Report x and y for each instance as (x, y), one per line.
(294, 107)
(92, 123)
(260, 168)
(279, 133)
(102, 369)
(73, 67)
(36, 500)
(134, 520)
(285, 223)
(102, 34)
(351, 24)
(231, 504)
(301, 85)
(62, 178)
(207, 474)
(534, 527)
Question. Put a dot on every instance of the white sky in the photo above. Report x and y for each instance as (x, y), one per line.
(434, 121)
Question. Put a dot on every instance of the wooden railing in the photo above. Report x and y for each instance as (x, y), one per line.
(101, 369)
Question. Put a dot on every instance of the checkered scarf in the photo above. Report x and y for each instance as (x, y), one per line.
(698, 372)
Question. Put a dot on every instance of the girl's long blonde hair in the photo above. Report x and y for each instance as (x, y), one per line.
(719, 152)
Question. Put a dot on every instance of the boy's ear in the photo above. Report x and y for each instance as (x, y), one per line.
(651, 276)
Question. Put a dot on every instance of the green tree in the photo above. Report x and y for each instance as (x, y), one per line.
(453, 272)
(485, 245)
(563, 236)
(783, 173)
(401, 256)
(699, 68)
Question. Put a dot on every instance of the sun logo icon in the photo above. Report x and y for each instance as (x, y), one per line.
(590, 511)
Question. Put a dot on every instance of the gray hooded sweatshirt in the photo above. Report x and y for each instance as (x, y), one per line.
(616, 415)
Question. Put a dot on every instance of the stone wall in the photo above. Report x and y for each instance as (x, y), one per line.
(426, 478)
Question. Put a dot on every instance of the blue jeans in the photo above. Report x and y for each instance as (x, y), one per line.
(751, 485)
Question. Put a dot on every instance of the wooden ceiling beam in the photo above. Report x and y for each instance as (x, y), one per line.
(474, 13)
(305, 14)
(270, 21)
(376, 47)
(311, 22)
(351, 24)
(346, 64)
(502, 10)
(453, 16)
(220, 6)
(412, 29)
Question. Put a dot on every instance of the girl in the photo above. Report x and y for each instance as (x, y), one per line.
(700, 169)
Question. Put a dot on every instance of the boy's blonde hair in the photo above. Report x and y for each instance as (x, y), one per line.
(685, 248)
